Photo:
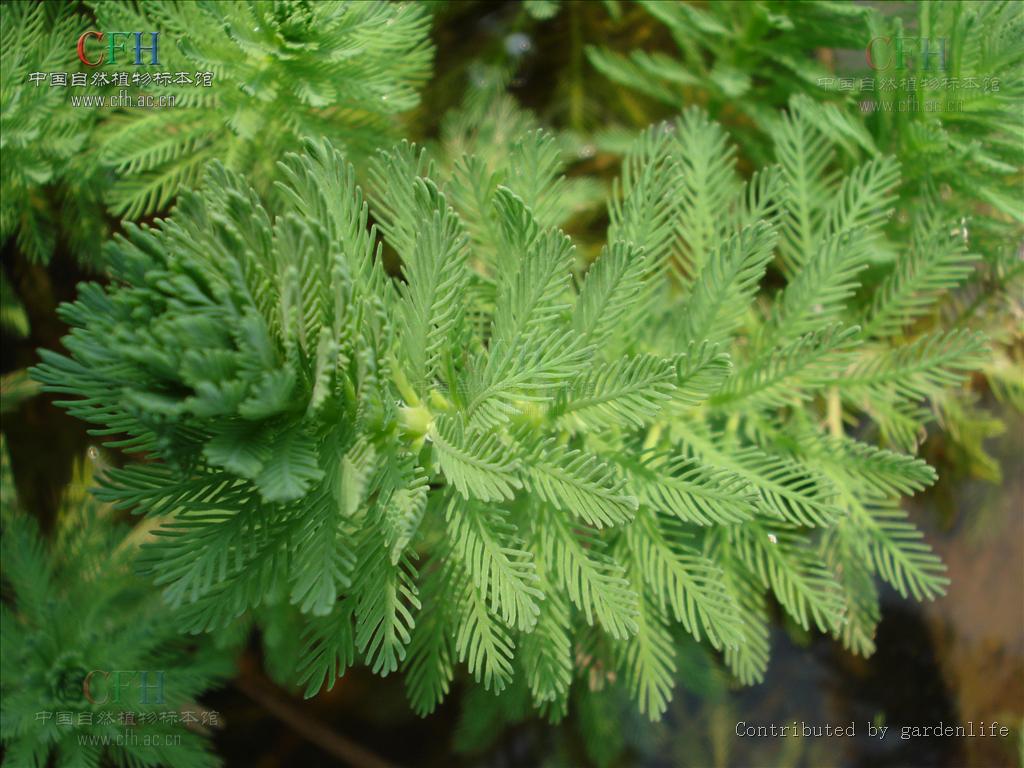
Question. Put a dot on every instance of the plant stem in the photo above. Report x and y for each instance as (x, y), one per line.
(314, 731)
(575, 70)
(835, 413)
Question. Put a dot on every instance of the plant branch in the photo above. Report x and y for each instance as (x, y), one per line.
(331, 742)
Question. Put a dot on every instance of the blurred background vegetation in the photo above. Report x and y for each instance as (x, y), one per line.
(595, 72)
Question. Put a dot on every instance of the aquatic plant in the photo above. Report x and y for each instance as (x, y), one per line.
(499, 458)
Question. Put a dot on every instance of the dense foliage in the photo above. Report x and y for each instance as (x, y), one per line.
(581, 461)
(745, 57)
(283, 71)
(87, 651)
(48, 181)
(369, 397)
(952, 119)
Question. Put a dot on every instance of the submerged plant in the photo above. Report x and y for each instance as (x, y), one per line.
(743, 60)
(500, 460)
(94, 669)
(961, 143)
(949, 113)
(948, 107)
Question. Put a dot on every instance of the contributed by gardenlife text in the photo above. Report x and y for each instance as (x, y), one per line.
(801, 728)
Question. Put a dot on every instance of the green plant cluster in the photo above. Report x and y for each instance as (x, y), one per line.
(75, 615)
(956, 128)
(370, 398)
(498, 460)
(283, 71)
(49, 177)
(742, 59)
